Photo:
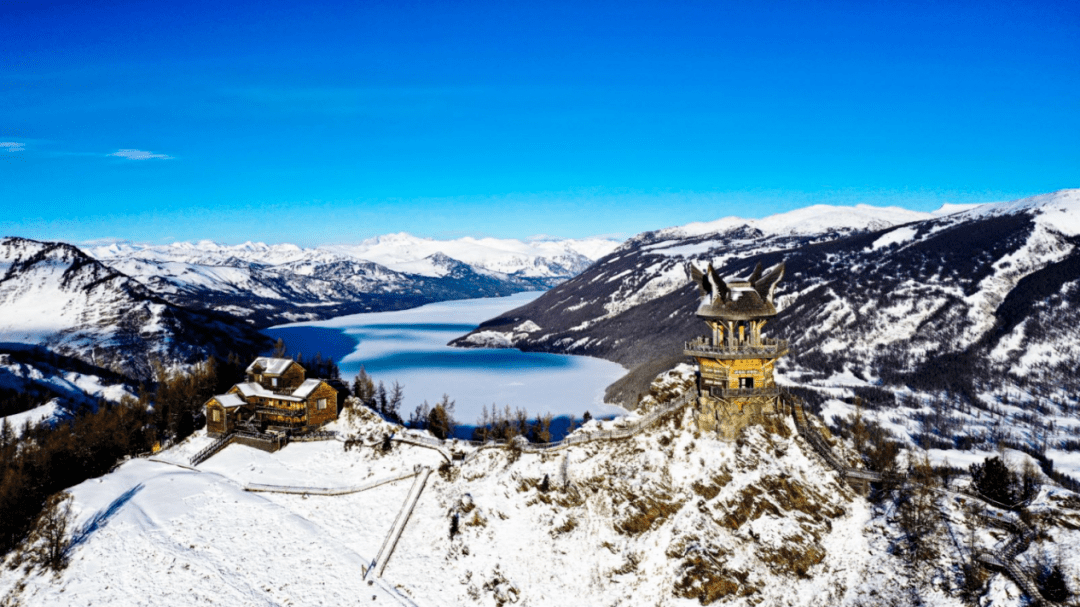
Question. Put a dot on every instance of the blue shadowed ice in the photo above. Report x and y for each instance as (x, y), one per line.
(409, 346)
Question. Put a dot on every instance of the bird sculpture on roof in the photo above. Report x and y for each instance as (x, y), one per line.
(739, 299)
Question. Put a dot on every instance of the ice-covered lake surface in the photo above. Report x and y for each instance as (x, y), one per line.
(409, 346)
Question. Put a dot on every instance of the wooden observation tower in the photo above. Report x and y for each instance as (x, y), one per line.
(735, 363)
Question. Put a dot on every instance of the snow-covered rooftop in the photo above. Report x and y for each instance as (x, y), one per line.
(271, 366)
(229, 400)
(254, 389)
(306, 388)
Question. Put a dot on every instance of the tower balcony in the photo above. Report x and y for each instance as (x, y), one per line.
(766, 348)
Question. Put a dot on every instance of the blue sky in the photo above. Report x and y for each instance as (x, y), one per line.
(327, 123)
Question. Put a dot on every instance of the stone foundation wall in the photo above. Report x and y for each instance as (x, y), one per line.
(728, 417)
(263, 445)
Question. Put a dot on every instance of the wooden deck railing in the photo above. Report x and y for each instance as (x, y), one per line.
(210, 450)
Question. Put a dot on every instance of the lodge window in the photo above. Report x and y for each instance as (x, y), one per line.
(273, 381)
(321, 403)
(217, 415)
(746, 382)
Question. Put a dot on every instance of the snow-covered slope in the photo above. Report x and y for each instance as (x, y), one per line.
(978, 301)
(667, 517)
(54, 295)
(270, 284)
(662, 519)
(49, 388)
(811, 220)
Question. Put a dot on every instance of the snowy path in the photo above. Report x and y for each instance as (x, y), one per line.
(259, 488)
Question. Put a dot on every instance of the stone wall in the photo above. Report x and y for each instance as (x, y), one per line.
(728, 417)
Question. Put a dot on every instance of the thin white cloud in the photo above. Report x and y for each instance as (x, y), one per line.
(139, 155)
(12, 146)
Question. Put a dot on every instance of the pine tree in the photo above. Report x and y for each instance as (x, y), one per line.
(381, 400)
(279, 348)
(358, 387)
(440, 420)
(1052, 584)
(7, 435)
(994, 480)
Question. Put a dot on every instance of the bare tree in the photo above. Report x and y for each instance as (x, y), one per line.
(918, 512)
(393, 405)
(48, 542)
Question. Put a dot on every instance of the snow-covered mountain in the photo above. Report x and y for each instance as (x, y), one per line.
(544, 259)
(269, 284)
(54, 387)
(54, 295)
(977, 301)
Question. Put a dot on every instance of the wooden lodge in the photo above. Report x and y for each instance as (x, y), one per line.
(276, 396)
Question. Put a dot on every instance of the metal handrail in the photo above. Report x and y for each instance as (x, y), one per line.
(766, 346)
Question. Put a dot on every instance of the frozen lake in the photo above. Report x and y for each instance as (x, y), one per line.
(409, 346)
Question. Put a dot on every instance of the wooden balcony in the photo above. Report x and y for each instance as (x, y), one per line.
(293, 413)
(768, 348)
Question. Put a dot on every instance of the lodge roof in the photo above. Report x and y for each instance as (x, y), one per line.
(271, 366)
(229, 401)
(305, 389)
(253, 389)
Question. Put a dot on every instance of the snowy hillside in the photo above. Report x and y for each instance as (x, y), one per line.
(57, 386)
(811, 220)
(272, 284)
(666, 517)
(975, 306)
(53, 295)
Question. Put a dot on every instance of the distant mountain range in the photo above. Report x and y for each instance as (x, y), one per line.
(273, 284)
(120, 306)
(55, 296)
(973, 299)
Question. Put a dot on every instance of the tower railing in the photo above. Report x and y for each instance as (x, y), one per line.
(767, 347)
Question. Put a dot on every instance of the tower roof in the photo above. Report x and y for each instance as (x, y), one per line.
(739, 299)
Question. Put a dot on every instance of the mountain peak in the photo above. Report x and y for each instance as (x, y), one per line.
(814, 219)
